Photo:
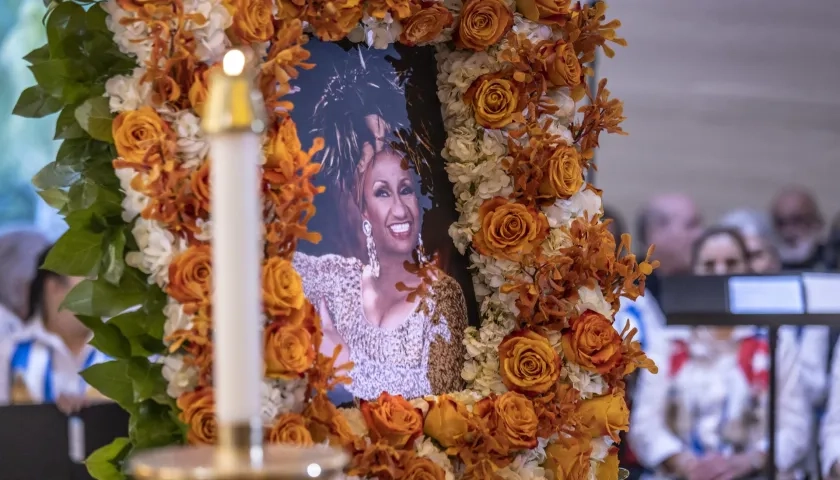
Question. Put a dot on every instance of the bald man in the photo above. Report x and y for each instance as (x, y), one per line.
(672, 222)
(799, 225)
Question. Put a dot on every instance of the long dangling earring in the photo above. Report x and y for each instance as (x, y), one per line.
(367, 228)
(421, 252)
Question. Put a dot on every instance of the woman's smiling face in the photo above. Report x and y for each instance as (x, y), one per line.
(391, 204)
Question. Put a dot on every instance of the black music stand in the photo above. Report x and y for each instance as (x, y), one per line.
(796, 299)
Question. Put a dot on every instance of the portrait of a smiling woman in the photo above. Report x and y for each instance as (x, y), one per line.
(383, 214)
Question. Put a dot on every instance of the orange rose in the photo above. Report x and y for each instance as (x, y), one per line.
(544, 11)
(592, 342)
(426, 24)
(393, 420)
(282, 287)
(198, 414)
(561, 64)
(508, 229)
(326, 423)
(253, 21)
(291, 9)
(282, 152)
(200, 185)
(141, 137)
(482, 23)
(446, 421)
(422, 468)
(289, 351)
(565, 174)
(517, 420)
(527, 363)
(609, 469)
(605, 415)
(495, 98)
(290, 428)
(198, 89)
(189, 277)
(568, 458)
(332, 20)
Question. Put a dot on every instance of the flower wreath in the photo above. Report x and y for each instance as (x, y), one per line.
(545, 396)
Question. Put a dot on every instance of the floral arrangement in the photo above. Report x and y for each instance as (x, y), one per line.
(545, 395)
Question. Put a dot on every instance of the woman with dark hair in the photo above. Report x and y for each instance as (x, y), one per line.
(400, 343)
(41, 363)
(705, 415)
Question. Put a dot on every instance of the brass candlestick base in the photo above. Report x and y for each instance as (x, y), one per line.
(239, 457)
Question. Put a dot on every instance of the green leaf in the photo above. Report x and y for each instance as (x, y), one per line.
(77, 253)
(35, 102)
(147, 381)
(154, 426)
(54, 175)
(111, 379)
(54, 197)
(96, 19)
(143, 330)
(86, 194)
(66, 19)
(52, 74)
(94, 116)
(103, 464)
(40, 54)
(66, 127)
(113, 262)
(107, 338)
(98, 298)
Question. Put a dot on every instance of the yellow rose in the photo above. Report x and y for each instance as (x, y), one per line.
(517, 420)
(565, 174)
(482, 23)
(189, 278)
(545, 11)
(527, 363)
(142, 138)
(426, 24)
(198, 414)
(609, 469)
(289, 351)
(561, 64)
(605, 415)
(509, 229)
(421, 468)
(446, 421)
(290, 428)
(253, 21)
(592, 342)
(568, 458)
(282, 287)
(393, 420)
(495, 98)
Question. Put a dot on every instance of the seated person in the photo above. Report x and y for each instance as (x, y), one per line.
(704, 416)
(830, 431)
(42, 361)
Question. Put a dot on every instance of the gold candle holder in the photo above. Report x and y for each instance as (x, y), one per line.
(239, 455)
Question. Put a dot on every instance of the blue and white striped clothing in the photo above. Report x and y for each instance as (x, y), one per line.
(40, 361)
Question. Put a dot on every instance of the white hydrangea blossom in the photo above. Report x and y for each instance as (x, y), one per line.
(211, 41)
(376, 33)
(134, 201)
(126, 92)
(132, 38)
(192, 146)
(181, 378)
(584, 203)
(176, 318)
(157, 249)
(281, 396)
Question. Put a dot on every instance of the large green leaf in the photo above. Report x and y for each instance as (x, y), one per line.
(98, 298)
(154, 426)
(94, 116)
(35, 102)
(66, 126)
(52, 74)
(111, 379)
(38, 55)
(54, 197)
(65, 20)
(103, 464)
(113, 263)
(107, 338)
(55, 175)
(143, 330)
(147, 381)
(77, 253)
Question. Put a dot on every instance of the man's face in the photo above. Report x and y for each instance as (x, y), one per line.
(797, 220)
(673, 226)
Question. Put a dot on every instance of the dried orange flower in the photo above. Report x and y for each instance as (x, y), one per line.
(391, 419)
(592, 342)
(482, 469)
(601, 114)
(605, 415)
(512, 418)
(421, 468)
(143, 140)
(197, 94)
(586, 31)
(289, 350)
(482, 23)
(560, 62)
(497, 99)
(568, 458)
(552, 12)
(190, 277)
(197, 413)
(252, 20)
(399, 9)
(326, 423)
(200, 186)
(377, 460)
(527, 362)
(282, 62)
(446, 422)
(290, 429)
(426, 24)
(332, 20)
(508, 229)
(544, 169)
(291, 9)
(282, 287)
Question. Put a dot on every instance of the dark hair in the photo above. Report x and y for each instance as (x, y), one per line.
(38, 286)
(732, 233)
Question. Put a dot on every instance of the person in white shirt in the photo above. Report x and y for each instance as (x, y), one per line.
(41, 362)
(830, 431)
(704, 416)
(19, 250)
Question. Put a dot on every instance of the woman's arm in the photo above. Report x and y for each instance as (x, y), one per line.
(830, 428)
(320, 274)
(446, 349)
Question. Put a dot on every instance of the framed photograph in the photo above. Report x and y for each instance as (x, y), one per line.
(386, 210)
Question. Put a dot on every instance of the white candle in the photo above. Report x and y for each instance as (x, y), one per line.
(237, 245)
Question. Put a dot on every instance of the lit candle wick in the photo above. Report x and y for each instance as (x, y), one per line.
(234, 63)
